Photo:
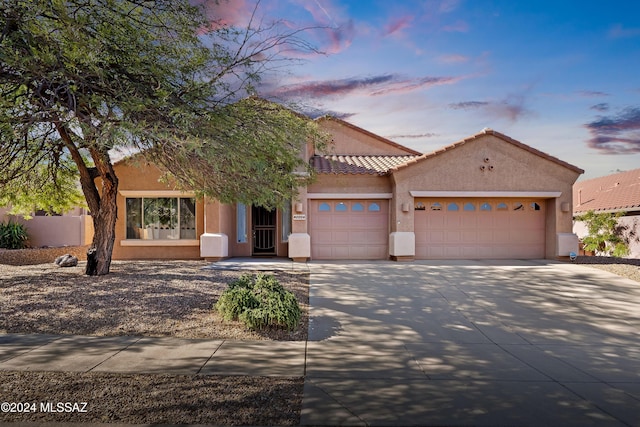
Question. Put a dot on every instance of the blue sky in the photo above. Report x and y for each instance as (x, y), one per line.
(560, 76)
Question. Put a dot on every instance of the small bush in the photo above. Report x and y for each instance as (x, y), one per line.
(259, 302)
(13, 235)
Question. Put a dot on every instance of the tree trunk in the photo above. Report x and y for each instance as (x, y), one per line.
(102, 203)
(104, 224)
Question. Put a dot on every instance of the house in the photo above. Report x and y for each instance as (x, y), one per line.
(487, 196)
(619, 192)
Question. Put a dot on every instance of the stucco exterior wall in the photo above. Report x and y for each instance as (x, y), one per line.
(346, 139)
(487, 164)
(342, 183)
(145, 177)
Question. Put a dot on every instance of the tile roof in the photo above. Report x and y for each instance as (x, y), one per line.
(498, 135)
(357, 165)
(617, 192)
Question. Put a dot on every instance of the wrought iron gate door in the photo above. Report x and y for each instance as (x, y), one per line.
(264, 231)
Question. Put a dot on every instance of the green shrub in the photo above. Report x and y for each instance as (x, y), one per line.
(259, 302)
(605, 234)
(13, 235)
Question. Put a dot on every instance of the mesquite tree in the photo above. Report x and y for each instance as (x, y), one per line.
(82, 78)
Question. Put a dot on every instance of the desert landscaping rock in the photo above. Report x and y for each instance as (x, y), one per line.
(66, 260)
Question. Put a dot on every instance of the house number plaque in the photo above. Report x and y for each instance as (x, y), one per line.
(299, 217)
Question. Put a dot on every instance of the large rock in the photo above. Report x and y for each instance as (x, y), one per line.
(67, 260)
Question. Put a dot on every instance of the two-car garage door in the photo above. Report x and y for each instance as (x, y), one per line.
(467, 228)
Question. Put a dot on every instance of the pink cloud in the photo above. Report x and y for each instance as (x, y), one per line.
(410, 85)
(384, 84)
(334, 29)
(617, 134)
(453, 59)
(512, 108)
(396, 26)
(229, 13)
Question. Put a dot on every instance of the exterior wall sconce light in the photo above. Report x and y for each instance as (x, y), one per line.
(298, 207)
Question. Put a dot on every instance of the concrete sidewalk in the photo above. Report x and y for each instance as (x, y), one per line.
(151, 355)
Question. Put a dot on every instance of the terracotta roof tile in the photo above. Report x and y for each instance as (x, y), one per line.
(357, 165)
(617, 192)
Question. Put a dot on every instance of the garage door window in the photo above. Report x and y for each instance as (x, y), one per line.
(357, 207)
(324, 207)
(341, 207)
(518, 206)
(374, 207)
(485, 207)
(502, 207)
(453, 207)
(535, 206)
(469, 207)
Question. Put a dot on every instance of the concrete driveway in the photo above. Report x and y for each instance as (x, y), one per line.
(472, 343)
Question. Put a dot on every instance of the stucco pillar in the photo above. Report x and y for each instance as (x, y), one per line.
(299, 239)
(402, 240)
(214, 244)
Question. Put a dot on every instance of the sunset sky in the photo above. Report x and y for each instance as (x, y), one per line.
(560, 76)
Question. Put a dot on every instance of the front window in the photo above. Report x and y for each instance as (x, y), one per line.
(285, 214)
(161, 218)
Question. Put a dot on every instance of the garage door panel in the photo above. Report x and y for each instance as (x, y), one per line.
(498, 231)
(338, 237)
(452, 236)
(485, 236)
(436, 236)
(485, 220)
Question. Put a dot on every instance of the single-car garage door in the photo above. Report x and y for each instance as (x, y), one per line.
(479, 228)
(349, 229)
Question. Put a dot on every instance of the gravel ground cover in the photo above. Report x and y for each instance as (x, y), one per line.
(141, 298)
(153, 399)
(625, 267)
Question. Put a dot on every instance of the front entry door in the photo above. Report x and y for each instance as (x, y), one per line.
(263, 224)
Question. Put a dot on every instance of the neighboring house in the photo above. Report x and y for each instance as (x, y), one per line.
(487, 196)
(619, 192)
